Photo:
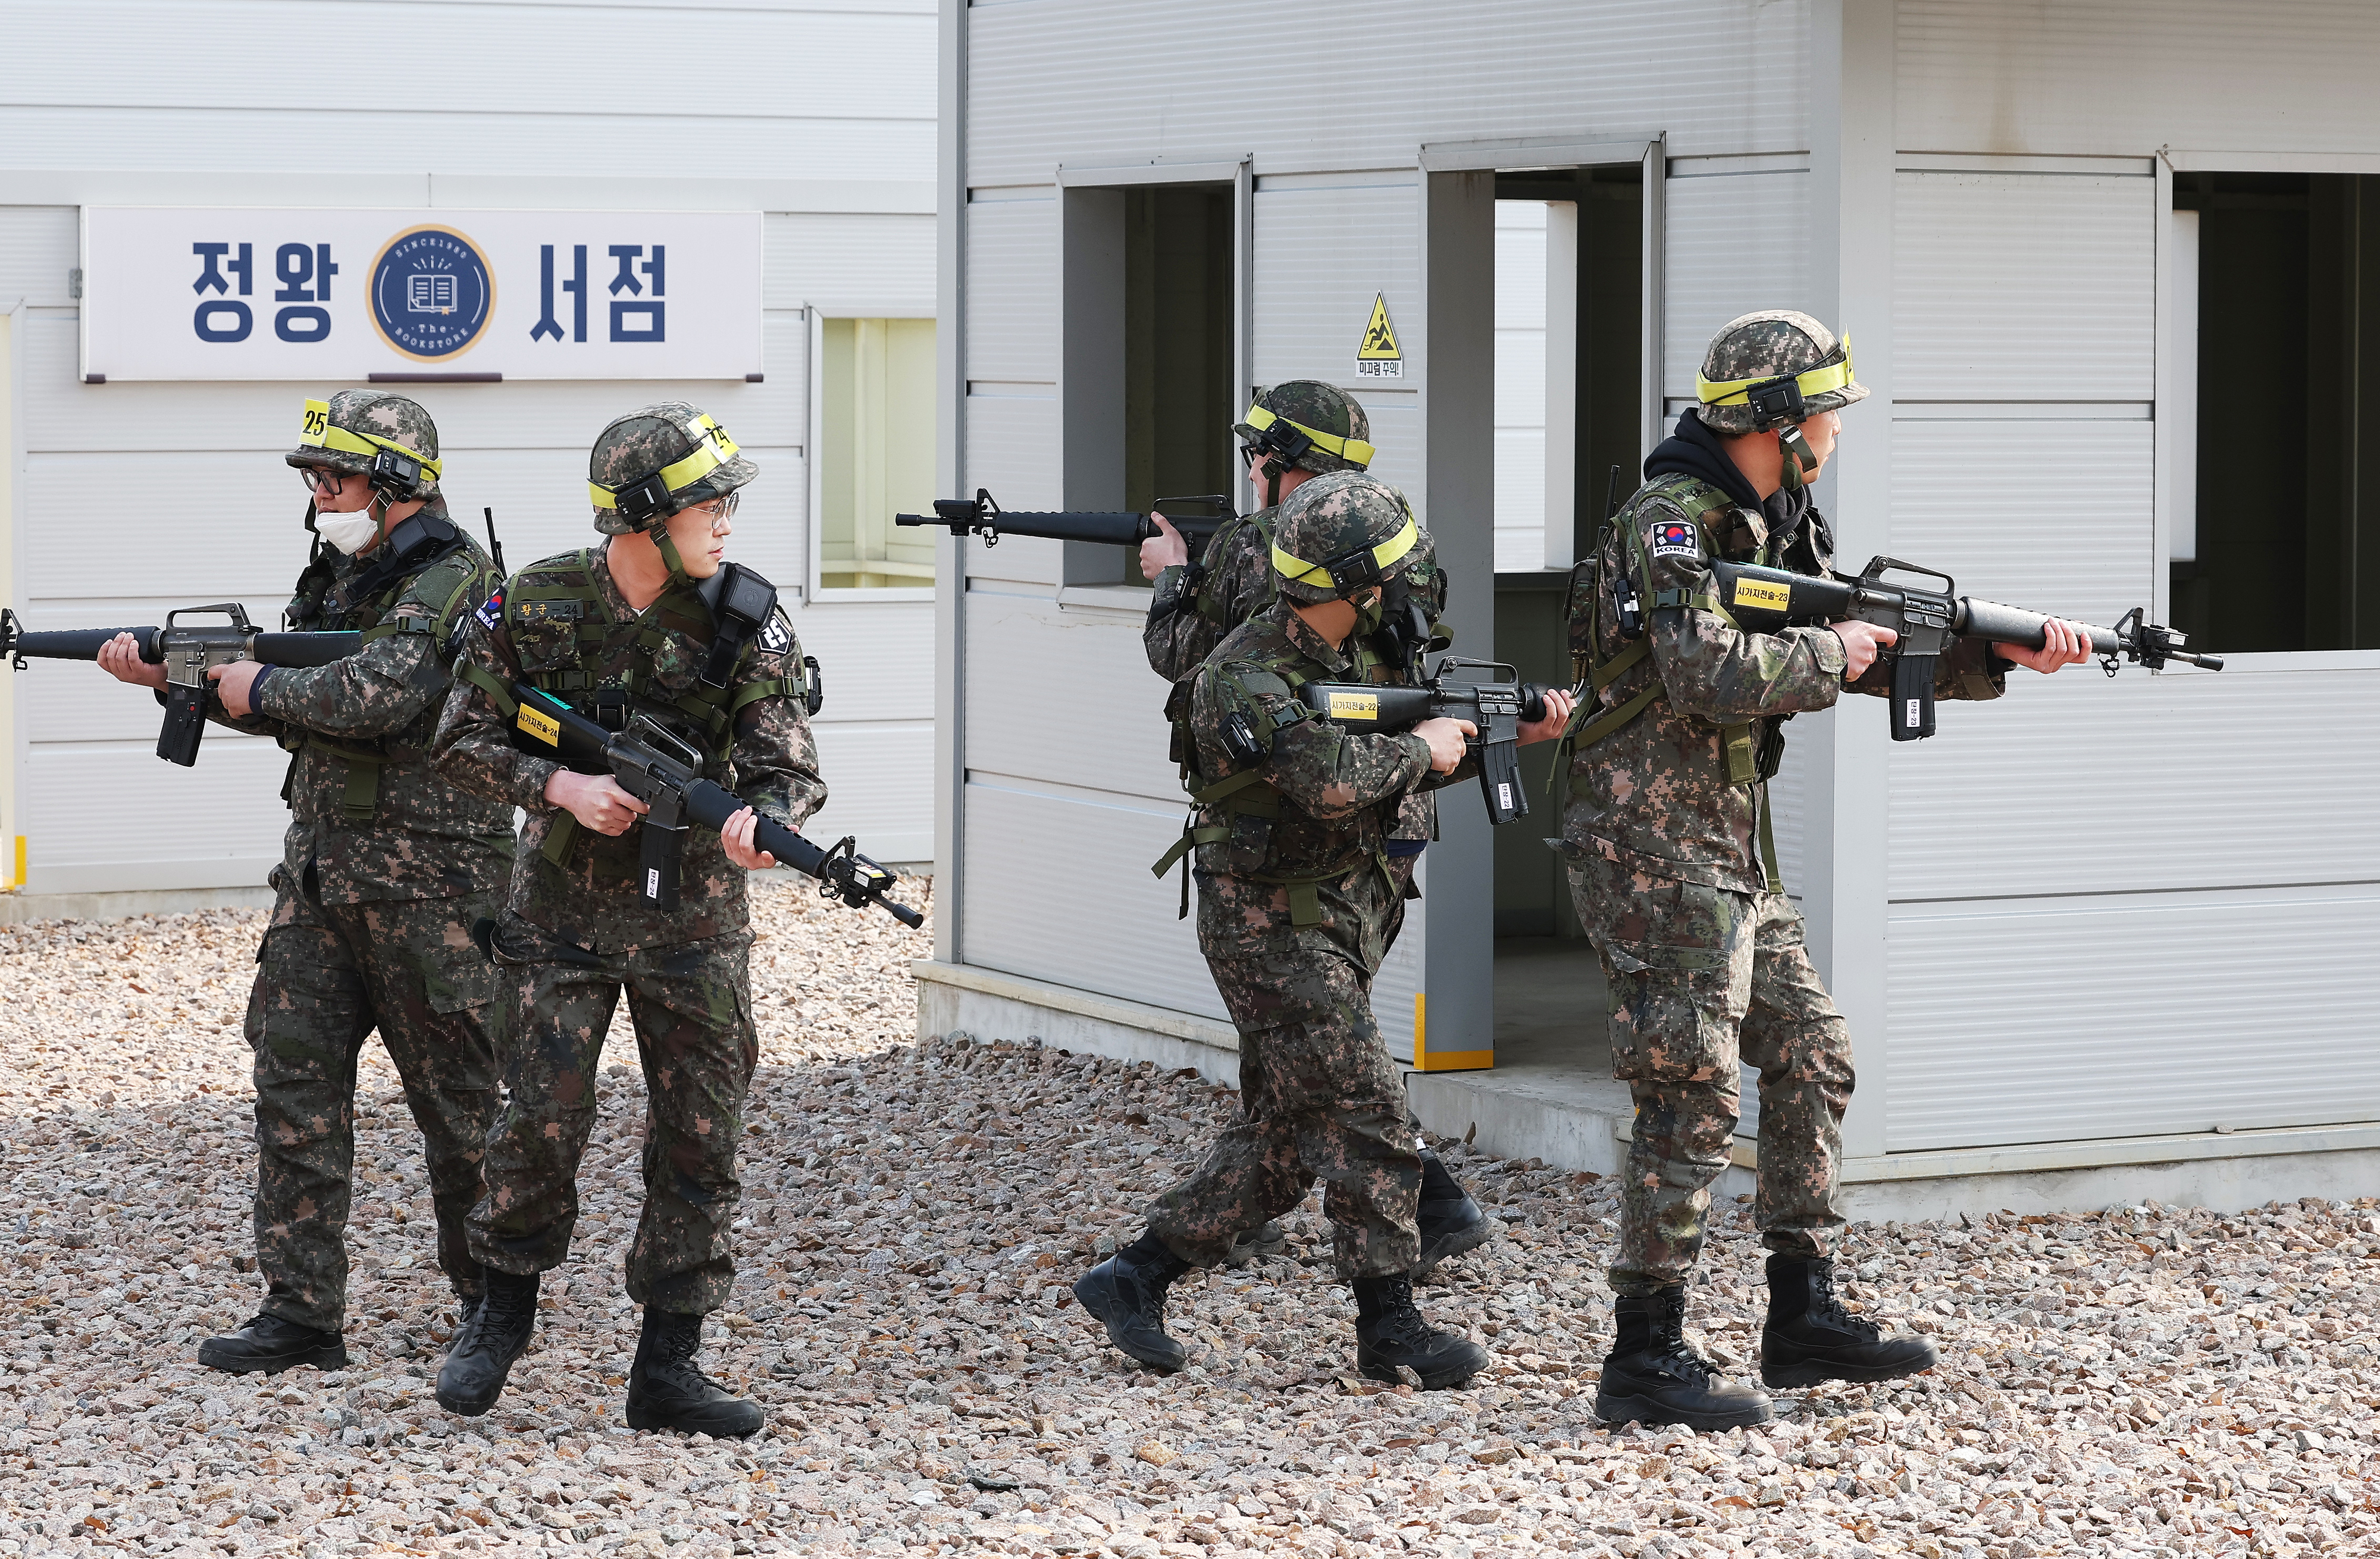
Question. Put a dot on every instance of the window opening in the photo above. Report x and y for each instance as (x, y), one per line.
(1178, 320)
(875, 454)
(2279, 549)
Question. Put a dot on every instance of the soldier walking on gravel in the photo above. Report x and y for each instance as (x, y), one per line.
(1674, 875)
(1293, 433)
(384, 869)
(639, 626)
(1294, 906)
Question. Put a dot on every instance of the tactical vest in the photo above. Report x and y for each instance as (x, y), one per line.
(1753, 749)
(1250, 794)
(447, 572)
(559, 623)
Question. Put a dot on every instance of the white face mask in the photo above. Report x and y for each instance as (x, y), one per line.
(349, 533)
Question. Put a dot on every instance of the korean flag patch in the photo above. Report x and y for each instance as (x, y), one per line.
(776, 635)
(492, 611)
(1677, 538)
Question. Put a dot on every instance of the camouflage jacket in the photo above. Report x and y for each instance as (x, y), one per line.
(1235, 581)
(1664, 795)
(366, 808)
(565, 626)
(1314, 802)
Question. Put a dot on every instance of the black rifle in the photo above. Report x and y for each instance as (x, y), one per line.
(185, 653)
(1765, 599)
(664, 773)
(980, 517)
(1496, 708)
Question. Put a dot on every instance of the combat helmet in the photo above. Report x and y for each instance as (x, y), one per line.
(1771, 371)
(655, 460)
(1341, 534)
(1305, 425)
(373, 434)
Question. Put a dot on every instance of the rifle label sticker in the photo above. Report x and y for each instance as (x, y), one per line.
(776, 635)
(1763, 594)
(539, 724)
(1677, 538)
(1355, 706)
(491, 610)
(1380, 356)
(1916, 719)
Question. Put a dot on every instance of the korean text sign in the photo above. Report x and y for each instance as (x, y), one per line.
(199, 293)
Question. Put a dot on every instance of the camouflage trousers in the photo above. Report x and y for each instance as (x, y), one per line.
(690, 1004)
(1702, 979)
(1319, 1099)
(326, 976)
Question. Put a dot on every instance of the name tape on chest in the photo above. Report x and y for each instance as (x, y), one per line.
(1677, 538)
(551, 611)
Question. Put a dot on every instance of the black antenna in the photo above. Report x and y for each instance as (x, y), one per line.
(496, 547)
(1611, 496)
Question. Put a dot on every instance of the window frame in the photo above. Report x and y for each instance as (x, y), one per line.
(817, 592)
(2168, 445)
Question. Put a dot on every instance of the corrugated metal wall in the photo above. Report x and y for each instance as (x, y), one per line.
(140, 498)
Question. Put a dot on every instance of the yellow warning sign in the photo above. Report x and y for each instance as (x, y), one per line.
(1380, 356)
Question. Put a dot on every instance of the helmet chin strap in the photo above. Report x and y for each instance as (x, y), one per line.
(1800, 460)
(1273, 472)
(658, 531)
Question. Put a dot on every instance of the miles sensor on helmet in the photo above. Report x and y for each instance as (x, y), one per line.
(642, 499)
(397, 476)
(1776, 402)
(1282, 439)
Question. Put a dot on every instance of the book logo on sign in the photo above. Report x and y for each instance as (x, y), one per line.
(1380, 356)
(432, 293)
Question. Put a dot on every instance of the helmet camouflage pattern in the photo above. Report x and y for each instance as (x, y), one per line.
(1771, 344)
(1318, 409)
(652, 439)
(1331, 516)
(374, 415)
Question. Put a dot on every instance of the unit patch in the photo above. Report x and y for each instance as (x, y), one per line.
(1677, 538)
(491, 610)
(776, 635)
(550, 611)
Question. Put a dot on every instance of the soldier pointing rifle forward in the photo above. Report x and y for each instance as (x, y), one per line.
(1675, 878)
(384, 869)
(1294, 906)
(628, 631)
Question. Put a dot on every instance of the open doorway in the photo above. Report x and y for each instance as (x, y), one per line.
(1569, 291)
(1150, 353)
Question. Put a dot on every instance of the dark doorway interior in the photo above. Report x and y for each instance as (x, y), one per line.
(1178, 316)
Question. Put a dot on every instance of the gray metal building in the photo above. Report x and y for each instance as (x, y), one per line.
(2102, 940)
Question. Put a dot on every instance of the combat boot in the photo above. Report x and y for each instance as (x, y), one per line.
(1652, 1377)
(1809, 1337)
(1126, 1294)
(1450, 1222)
(665, 1390)
(489, 1339)
(1390, 1337)
(1267, 1238)
(269, 1345)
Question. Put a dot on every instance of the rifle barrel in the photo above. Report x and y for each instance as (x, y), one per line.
(78, 644)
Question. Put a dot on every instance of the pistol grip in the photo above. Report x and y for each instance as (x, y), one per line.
(1913, 698)
(186, 723)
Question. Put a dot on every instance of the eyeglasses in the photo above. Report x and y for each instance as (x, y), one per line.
(321, 482)
(719, 511)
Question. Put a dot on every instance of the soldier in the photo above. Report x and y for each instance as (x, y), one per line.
(1674, 876)
(618, 631)
(1293, 433)
(384, 869)
(1294, 906)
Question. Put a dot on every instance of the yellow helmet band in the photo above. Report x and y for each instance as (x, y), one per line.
(712, 449)
(317, 432)
(1354, 451)
(1821, 380)
(1384, 556)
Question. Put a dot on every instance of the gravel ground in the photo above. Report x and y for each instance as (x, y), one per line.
(2146, 1380)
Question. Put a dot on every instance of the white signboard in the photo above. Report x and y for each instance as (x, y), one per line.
(196, 293)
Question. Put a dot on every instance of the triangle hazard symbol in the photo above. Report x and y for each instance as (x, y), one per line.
(1380, 336)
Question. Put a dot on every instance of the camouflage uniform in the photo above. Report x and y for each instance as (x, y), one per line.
(1671, 868)
(576, 931)
(1296, 907)
(384, 869)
